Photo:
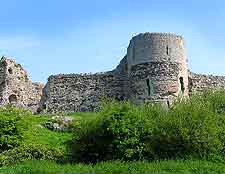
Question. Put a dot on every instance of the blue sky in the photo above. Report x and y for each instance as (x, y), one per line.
(71, 36)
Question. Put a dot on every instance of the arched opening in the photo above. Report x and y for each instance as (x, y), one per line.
(13, 99)
(10, 70)
(182, 88)
(149, 87)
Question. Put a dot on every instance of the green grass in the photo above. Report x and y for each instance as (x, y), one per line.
(37, 134)
(83, 115)
(163, 167)
(200, 122)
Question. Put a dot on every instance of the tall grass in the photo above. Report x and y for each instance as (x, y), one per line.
(117, 167)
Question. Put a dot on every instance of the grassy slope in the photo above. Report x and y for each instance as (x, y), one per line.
(39, 135)
(36, 134)
(163, 167)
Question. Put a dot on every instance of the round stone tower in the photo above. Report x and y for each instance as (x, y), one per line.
(157, 68)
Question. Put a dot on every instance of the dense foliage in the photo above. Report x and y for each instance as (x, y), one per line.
(124, 131)
(11, 127)
(190, 129)
(22, 138)
(29, 152)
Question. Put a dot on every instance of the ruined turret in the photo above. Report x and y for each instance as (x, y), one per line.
(157, 68)
(153, 70)
(16, 88)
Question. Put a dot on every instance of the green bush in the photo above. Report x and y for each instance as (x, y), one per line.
(124, 131)
(118, 132)
(29, 152)
(214, 98)
(11, 127)
(10, 110)
(189, 128)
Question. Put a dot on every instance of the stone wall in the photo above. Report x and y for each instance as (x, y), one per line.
(200, 82)
(2, 79)
(154, 82)
(16, 88)
(84, 92)
(156, 47)
(157, 67)
(78, 93)
(121, 76)
(154, 69)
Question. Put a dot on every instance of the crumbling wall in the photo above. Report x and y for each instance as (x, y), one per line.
(84, 92)
(2, 80)
(35, 93)
(154, 69)
(16, 88)
(201, 82)
(75, 93)
(122, 79)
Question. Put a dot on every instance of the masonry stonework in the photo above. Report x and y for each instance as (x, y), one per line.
(157, 68)
(16, 88)
(201, 82)
(153, 70)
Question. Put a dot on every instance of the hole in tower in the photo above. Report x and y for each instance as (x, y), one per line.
(10, 70)
(167, 50)
(12, 99)
(150, 87)
(182, 84)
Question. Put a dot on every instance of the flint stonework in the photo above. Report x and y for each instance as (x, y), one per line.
(153, 70)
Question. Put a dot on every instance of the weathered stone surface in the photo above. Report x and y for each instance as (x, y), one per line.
(79, 93)
(200, 82)
(154, 81)
(153, 70)
(59, 123)
(16, 88)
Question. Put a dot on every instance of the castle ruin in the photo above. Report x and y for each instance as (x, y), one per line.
(16, 88)
(153, 70)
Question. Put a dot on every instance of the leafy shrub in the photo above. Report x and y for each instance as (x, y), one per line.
(10, 110)
(189, 128)
(214, 98)
(118, 132)
(127, 132)
(29, 152)
(11, 127)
